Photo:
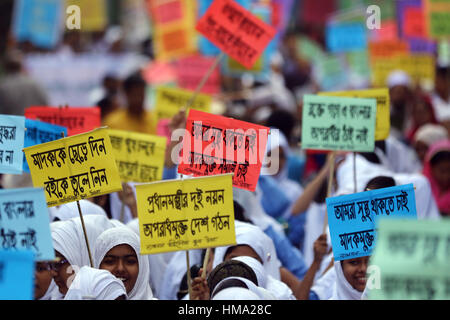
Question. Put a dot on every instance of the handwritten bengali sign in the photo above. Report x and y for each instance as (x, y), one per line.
(338, 123)
(413, 258)
(40, 132)
(25, 223)
(139, 157)
(353, 218)
(75, 119)
(382, 123)
(171, 100)
(186, 214)
(12, 130)
(235, 31)
(74, 168)
(16, 275)
(215, 144)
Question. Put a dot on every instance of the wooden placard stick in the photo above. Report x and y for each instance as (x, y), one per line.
(330, 187)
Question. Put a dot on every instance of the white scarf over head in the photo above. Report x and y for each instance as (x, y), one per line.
(95, 284)
(260, 292)
(123, 235)
(70, 210)
(254, 237)
(343, 290)
(68, 237)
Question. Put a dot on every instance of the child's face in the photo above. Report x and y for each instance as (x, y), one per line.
(355, 272)
(42, 279)
(441, 172)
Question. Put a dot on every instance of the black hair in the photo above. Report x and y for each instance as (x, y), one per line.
(183, 290)
(440, 157)
(282, 120)
(230, 283)
(380, 182)
(230, 268)
(239, 212)
(132, 81)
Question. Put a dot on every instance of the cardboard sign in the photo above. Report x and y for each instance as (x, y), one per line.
(215, 144)
(412, 260)
(383, 120)
(338, 123)
(16, 275)
(171, 100)
(74, 168)
(338, 39)
(186, 214)
(437, 18)
(75, 119)
(353, 218)
(235, 31)
(139, 157)
(25, 223)
(40, 132)
(12, 130)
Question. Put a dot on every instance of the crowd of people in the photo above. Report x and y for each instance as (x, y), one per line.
(282, 251)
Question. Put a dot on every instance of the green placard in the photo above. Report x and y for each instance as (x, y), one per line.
(412, 260)
(338, 123)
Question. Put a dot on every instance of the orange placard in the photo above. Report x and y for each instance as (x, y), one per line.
(75, 119)
(235, 31)
(215, 144)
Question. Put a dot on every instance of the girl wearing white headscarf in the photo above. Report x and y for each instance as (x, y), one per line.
(343, 288)
(158, 262)
(123, 235)
(95, 284)
(254, 237)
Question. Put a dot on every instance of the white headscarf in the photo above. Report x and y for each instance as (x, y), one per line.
(260, 292)
(236, 293)
(342, 289)
(70, 210)
(95, 284)
(257, 267)
(68, 237)
(123, 235)
(158, 262)
(253, 236)
(430, 133)
(324, 285)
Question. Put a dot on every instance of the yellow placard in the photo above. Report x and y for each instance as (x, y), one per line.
(383, 120)
(186, 214)
(74, 168)
(420, 67)
(139, 157)
(93, 14)
(170, 100)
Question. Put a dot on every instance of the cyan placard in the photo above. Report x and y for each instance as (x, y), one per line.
(353, 218)
(16, 275)
(11, 143)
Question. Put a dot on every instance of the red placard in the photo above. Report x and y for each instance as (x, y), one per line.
(190, 71)
(75, 119)
(414, 23)
(214, 144)
(235, 31)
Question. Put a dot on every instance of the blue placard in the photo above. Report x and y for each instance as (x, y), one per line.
(38, 21)
(16, 275)
(11, 143)
(25, 223)
(346, 37)
(40, 132)
(353, 218)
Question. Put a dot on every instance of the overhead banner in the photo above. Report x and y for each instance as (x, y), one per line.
(74, 168)
(139, 157)
(186, 214)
